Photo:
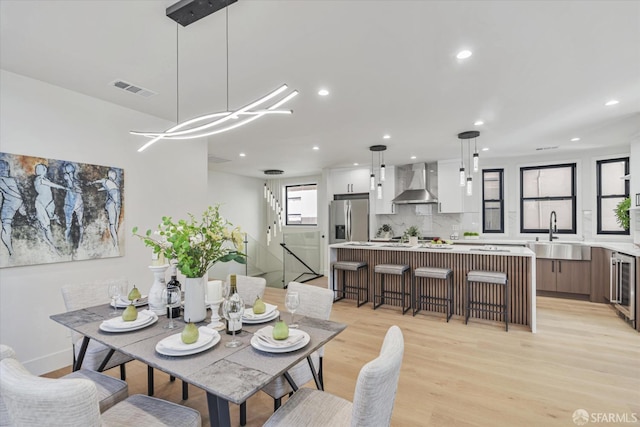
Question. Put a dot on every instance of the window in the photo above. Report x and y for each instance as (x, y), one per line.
(545, 189)
(302, 204)
(492, 201)
(611, 190)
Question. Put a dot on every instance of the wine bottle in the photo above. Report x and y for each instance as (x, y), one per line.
(174, 283)
(231, 325)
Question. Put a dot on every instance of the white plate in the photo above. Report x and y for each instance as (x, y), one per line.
(273, 316)
(260, 345)
(248, 312)
(123, 303)
(108, 326)
(119, 323)
(167, 352)
(174, 342)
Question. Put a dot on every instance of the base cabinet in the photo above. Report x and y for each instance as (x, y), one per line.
(600, 274)
(559, 275)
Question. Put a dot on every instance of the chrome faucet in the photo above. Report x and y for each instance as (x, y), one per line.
(552, 226)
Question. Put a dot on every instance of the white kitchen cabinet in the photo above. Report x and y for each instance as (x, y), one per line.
(385, 205)
(449, 190)
(350, 181)
(451, 197)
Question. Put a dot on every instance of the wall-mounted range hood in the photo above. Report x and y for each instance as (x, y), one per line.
(419, 182)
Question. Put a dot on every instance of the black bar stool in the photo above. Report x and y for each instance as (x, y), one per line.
(480, 278)
(355, 289)
(396, 270)
(420, 297)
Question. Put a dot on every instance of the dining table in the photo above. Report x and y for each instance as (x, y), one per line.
(227, 375)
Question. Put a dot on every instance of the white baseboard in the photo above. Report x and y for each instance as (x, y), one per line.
(50, 362)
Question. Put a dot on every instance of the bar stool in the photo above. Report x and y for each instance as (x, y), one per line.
(396, 270)
(355, 289)
(441, 301)
(487, 278)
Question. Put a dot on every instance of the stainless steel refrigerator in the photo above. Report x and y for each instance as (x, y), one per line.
(349, 218)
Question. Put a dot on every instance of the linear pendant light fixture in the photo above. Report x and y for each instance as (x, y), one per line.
(214, 123)
(380, 149)
(474, 161)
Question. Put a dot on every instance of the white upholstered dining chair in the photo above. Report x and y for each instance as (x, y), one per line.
(249, 287)
(78, 296)
(373, 398)
(109, 390)
(314, 302)
(73, 402)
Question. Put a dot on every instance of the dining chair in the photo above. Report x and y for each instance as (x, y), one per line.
(249, 287)
(110, 390)
(36, 401)
(373, 399)
(78, 296)
(314, 302)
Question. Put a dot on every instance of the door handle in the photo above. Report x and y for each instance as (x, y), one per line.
(559, 266)
(552, 266)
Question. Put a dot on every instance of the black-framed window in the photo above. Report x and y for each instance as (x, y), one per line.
(493, 201)
(611, 190)
(302, 204)
(546, 189)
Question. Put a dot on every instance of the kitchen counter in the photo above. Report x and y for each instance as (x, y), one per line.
(518, 262)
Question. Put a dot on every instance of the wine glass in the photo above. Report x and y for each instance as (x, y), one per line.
(171, 296)
(114, 290)
(292, 301)
(233, 309)
(226, 289)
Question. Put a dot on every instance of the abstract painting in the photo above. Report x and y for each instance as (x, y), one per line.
(58, 211)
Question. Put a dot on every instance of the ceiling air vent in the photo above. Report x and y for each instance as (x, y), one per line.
(129, 87)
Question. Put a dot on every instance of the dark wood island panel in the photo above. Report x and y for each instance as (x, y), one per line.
(517, 268)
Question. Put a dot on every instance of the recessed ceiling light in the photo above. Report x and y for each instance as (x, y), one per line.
(323, 92)
(575, 139)
(356, 164)
(612, 102)
(413, 157)
(485, 149)
(478, 123)
(464, 54)
(315, 147)
(243, 155)
(386, 136)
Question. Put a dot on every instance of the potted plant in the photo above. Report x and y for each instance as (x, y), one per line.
(622, 213)
(385, 231)
(412, 233)
(471, 235)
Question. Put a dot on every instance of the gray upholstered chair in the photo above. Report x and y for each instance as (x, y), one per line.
(83, 295)
(78, 296)
(249, 287)
(110, 390)
(314, 302)
(36, 401)
(373, 398)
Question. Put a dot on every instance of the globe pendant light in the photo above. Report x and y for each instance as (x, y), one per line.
(379, 149)
(468, 180)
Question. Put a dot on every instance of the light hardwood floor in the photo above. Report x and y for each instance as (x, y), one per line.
(583, 357)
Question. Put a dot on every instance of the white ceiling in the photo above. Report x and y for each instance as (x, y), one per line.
(540, 73)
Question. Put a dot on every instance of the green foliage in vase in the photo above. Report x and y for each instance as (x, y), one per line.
(412, 231)
(196, 245)
(385, 228)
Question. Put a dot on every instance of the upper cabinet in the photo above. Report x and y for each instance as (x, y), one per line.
(385, 205)
(350, 181)
(452, 197)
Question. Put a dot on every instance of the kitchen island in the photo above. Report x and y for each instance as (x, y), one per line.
(517, 262)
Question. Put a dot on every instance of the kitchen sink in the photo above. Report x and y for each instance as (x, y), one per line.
(561, 250)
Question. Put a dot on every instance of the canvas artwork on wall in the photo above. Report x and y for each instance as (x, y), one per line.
(59, 211)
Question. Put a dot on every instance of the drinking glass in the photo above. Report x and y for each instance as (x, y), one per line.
(114, 290)
(226, 289)
(233, 309)
(171, 296)
(292, 301)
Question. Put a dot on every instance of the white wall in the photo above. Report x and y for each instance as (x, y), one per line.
(170, 178)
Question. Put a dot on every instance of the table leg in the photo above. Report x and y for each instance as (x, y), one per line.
(315, 374)
(83, 351)
(291, 382)
(218, 411)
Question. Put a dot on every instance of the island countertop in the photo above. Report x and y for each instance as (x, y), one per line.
(518, 262)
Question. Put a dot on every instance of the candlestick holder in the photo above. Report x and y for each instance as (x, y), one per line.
(215, 316)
